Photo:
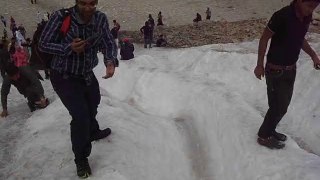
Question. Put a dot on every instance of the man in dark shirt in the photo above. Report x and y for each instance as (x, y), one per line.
(72, 77)
(287, 29)
(146, 30)
(152, 24)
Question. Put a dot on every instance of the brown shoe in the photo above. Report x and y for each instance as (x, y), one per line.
(270, 142)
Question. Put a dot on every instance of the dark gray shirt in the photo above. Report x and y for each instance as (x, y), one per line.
(289, 33)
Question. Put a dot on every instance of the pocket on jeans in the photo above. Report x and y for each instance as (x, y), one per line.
(274, 73)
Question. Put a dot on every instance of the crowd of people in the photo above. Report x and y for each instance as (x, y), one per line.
(78, 88)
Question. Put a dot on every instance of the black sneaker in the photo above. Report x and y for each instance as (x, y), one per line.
(100, 134)
(270, 142)
(83, 169)
(279, 136)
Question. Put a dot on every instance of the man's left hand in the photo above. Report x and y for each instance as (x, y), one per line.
(109, 71)
(316, 62)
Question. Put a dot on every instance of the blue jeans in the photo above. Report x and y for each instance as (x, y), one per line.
(81, 100)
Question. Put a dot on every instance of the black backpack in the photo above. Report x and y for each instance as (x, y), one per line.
(40, 60)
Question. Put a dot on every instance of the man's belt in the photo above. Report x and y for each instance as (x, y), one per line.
(280, 67)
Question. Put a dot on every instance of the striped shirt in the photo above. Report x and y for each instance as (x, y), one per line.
(66, 61)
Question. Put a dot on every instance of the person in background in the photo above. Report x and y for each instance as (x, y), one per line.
(12, 46)
(4, 58)
(19, 38)
(13, 26)
(22, 30)
(208, 13)
(146, 30)
(126, 49)
(198, 18)
(38, 18)
(5, 33)
(4, 21)
(160, 22)
(115, 31)
(161, 42)
(151, 24)
(27, 83)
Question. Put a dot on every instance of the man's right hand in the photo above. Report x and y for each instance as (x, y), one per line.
(259, 72)
(4, 113)
(78, 45)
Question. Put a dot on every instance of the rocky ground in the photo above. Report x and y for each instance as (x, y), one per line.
(232, 20)
(208, 32)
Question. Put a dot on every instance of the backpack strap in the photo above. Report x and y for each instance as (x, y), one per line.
(66, 23)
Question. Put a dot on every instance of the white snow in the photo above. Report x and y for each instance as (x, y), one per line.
(176, 114)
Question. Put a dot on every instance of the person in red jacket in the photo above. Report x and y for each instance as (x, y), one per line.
(20, 57)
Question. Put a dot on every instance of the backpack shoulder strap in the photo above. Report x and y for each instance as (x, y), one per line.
(66, 23)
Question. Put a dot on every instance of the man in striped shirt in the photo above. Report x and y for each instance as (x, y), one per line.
(74, 57)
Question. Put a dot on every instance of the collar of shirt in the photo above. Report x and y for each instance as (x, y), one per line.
(306, 19)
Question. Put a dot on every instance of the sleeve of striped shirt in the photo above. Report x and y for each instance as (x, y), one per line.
(108, 44)
(49, 39)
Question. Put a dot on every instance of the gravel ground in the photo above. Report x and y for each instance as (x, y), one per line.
(133, 13)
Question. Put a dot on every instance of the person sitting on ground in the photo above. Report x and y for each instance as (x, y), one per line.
(27, 83)
(198, 18)
(161, 42)
(126, 49)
